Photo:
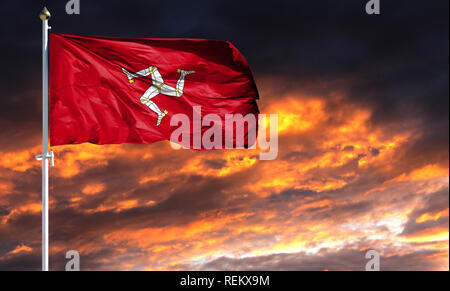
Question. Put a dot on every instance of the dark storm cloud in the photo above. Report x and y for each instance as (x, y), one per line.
(326, 259)
(432, 204)
(181, 198)
(396, 62)
(22, 262)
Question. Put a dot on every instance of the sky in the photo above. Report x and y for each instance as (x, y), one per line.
(363, 158)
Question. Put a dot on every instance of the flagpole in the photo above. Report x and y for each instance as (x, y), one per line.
(46, 155)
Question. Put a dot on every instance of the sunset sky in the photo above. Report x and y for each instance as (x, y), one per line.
(363, 145)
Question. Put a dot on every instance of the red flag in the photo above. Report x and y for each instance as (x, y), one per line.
(114, 90)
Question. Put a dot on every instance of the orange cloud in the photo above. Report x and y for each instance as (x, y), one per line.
(429, 235)
(426, 173)
(296, 116)
(314, 197)
(20, 249)
(21, 161)
(432, 216)
(93, 189)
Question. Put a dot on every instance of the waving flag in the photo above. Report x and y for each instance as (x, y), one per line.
(113, 90)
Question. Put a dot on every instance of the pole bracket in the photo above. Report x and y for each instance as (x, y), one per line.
(49, 156)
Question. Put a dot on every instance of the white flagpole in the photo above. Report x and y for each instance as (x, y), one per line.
(46, 155)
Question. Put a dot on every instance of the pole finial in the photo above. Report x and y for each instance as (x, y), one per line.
(45, 14)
